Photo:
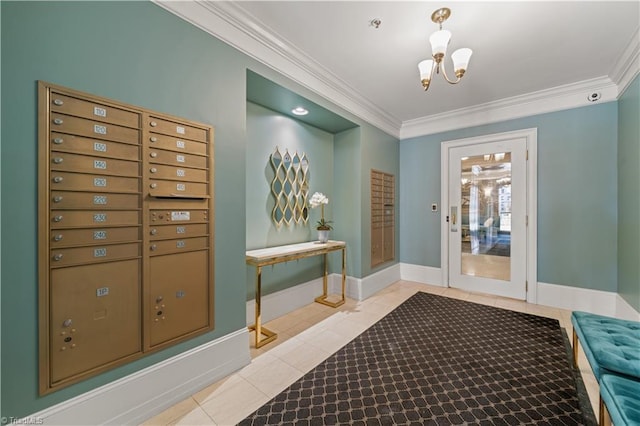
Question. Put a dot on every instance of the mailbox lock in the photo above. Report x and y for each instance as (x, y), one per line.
(153, 231)
(57, 199)
(58, 121)
(67, 323)
(153, 170)
(153, 247)
(153, 185)
(153, 139)
(57, 257)
(58, 160)
(58, 141)
(159, 299)
(57, 179)
(58, 102)
(57, 237)
(153, 124)
(153, 154)
(57, 218)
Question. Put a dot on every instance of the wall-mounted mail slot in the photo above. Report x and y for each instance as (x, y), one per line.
(93, 129)
(176, 144)
(166, 188)
(93, 110)
(178, 129)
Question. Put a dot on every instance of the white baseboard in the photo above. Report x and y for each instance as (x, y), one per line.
(554, 295)
(145, 393)
(625, 311)
(277, 304)
(582, 299)
(371, 284)
(280, 303)
(421, 274)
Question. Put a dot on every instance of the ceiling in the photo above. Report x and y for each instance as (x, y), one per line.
(528, 56)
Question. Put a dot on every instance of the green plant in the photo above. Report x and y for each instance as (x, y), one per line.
(324, 225)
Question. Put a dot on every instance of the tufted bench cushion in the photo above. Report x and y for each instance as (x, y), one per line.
(622, 398)
(610, 344)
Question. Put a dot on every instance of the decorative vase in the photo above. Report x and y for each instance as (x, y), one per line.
(323, 235)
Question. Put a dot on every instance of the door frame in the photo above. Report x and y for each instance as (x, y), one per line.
(530, 137)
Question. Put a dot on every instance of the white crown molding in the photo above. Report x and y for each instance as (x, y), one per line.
(549, 100)
(628, 66)
(230, 23)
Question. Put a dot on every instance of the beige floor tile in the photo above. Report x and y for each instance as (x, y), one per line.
(455, 293)
(482, 299)
(195, 417)
(511, 304)
(309, 335)
(269, 375)
(172, 413)
(233, 404)
(325, 339)
(305, 357)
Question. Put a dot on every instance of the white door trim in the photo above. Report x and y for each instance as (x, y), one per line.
(531, 138)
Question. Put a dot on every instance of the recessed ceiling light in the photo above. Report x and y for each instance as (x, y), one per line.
(299, 111)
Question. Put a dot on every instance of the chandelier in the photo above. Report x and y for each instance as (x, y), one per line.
(439, 42)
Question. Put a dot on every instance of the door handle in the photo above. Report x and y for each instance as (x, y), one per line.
(454, 218)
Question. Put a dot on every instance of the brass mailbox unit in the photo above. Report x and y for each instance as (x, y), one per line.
(126, 235)
(382, 217)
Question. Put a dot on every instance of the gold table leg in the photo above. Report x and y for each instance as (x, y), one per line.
(323, 299)
(259, 329)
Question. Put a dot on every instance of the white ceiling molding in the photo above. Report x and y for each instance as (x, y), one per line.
(549, 100)
(231, 24)
(234, 26)
(628, 66)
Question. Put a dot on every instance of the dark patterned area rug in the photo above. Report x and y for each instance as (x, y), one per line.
(441, 361)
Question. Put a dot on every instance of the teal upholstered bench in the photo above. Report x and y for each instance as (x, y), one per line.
(621, 398)
(610, 344)
(612, 347)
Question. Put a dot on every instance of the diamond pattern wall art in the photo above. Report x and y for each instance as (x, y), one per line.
(290, 188)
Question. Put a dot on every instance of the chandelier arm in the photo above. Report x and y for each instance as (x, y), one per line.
(444, 73)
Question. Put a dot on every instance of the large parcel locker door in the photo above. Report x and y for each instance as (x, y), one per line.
(95, 317)
(179, 292)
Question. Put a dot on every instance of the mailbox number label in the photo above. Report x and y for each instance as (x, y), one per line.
(100, 112)
(102, 291)
(101, 130)
(100, 217)
(100, 199)
(99, 252)
(100, 147)
(99, 235)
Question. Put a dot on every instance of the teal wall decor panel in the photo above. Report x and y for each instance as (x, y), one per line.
(577, 195)
(629, 195)
(133, 52)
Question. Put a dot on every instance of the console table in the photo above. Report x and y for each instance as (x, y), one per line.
(273, 255)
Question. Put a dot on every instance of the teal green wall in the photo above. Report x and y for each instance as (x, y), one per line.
(117, 50)
(347, 169)
(267, 130)
(379, 151)
(629, 194)
(577, 195)
(120, 50)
